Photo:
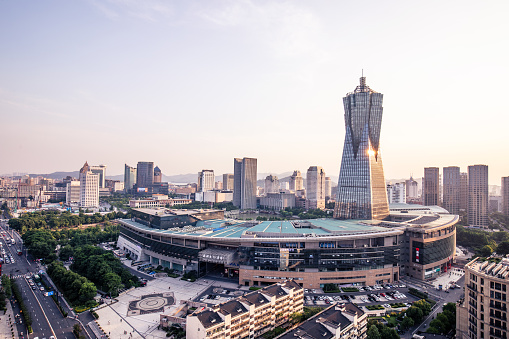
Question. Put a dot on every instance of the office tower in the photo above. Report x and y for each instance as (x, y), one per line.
(361, 187)
(328, 188)
(158, 175)
(89, 187)
(271, 184)
(129, 177)
(206, 180)
(101, 170)
(412, 189)
(244, 183)
(452, 188)
(431, 186)
(218, 185)
(396, 193)
(228, 182)
(463, 191)
(144, 174)
(478, 195)
(505, 195)
(296, 181)
(315, 188)
(72, 193)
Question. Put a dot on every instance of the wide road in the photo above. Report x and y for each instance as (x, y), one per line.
(46, 317)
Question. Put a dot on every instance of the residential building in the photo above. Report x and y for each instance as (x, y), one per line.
(396, 193)
(315, 187)
(101, 170)
(89, 188)
(248, 316)
(431, 187)
(158, 175)
(206, 180)
(463, 191)
(412, 189)
(362, 193)
(228, 182)
(114, 185)
(129, 177)
(144, 175)
(271, 184)
(495, 204)
(244, 186)
(452, 189)
(296, 181)
(478, 195)
(483, 311)
(505, 195)
(277, 201)
(73, 192)
(338, 321)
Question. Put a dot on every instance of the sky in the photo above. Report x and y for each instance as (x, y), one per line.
(191, 85)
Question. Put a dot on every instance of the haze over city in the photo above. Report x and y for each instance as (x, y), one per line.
(191, 85)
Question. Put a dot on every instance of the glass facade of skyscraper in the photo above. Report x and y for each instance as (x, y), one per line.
(361, 187)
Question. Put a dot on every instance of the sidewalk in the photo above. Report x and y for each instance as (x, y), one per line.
(5, 323)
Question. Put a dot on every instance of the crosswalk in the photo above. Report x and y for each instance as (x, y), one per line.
(18, 276)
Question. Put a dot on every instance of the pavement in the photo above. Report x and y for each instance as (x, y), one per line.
(7, 323)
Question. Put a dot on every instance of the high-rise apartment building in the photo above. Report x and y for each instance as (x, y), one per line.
(463, 191)
(101, 170)
(129, 177)
(244, 183)
(361, 187)
(431, 186)
(206, 180)
(89, 188)
(396, 193)
(452, 187)
(328, 188)
(72, 193)
(296, 181)
(271, 184)
(228, 182)
(478, 195)
(315, 188)
(412, 189)
(505, 195)
(158, 175)
(144, 174)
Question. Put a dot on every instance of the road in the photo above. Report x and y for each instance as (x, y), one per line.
(46, 317)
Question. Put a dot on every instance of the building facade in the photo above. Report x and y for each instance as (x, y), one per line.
(296, 181)
(505, 195)
(277, 201)
(431, 186)
(361, 187)
(315, 187)
(228, 181)
(248, 316)
(244, 186)
(482, 314)
(452, 189)
(412, 189)
(89, 188)
(129, 177)
(463, 191)
(328, 188)
(396, 193)
(101, 170)
(206, 180)
(144, 174)
(73, 191)
(158, 175)
(478, 196)
(271, 184)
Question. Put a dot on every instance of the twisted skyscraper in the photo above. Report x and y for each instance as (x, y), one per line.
(361, 187)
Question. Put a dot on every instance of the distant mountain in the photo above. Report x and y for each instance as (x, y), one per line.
(57, 175)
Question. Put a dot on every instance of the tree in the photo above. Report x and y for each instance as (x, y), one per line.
(112, 282)
(407, 323)
(415, 313)
(388, 333)
(503, 247)
(424, 306)
(373, 333)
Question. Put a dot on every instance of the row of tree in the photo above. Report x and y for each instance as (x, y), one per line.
(445, 320)
(484, 243)
(56, 220)
(102, 268)
(77, 289)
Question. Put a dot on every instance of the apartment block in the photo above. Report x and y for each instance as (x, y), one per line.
(248, 316)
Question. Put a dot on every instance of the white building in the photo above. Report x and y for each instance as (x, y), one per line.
(101, 170)
(72, 193)
(89, 188)
(158, 200)
(206, 180)
(271, 184)
(328, 188)
(396, 193)
(296, 181)
(315, 192)
(214, 196)
(278, 201)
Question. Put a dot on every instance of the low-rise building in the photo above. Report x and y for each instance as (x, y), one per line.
(248, 316)
(339, 321)
(158, 200)
(278, 201)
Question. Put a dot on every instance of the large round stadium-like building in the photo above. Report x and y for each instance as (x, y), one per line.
(415, 241)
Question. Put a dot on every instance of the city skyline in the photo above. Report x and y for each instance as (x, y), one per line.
(137, 71)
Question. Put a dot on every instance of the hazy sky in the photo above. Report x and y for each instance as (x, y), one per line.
(193, 84)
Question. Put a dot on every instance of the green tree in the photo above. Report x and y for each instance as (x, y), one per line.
(486, 251)
(388, 333)
(373, 333)
(407, 323)
(112, 282)
(503, 247)
(424, 306)
(415, 313)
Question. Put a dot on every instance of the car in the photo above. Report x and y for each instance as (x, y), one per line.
(33, 287)
(41, 288)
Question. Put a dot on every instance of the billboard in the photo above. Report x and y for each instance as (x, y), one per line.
(141, 189)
